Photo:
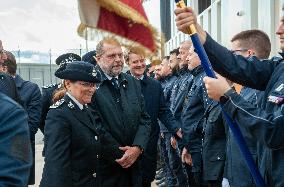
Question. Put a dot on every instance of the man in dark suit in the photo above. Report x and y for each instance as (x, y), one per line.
(31, 102)
(156, 108)
(15, 150)
(119, 100)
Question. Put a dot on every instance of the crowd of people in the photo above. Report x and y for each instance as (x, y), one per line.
(104, 127)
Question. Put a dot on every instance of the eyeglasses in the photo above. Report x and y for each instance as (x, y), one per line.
(113, 56)
(238, 50)
(87, 84)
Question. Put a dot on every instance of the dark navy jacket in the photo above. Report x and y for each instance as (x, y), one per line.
(214, 143)
(157, 109)
(8, 87)
(167, 85)
(46, 102)
(179, 92)
(192, 117)
(265, 122)
(15, 150)
(237, 171)
(31, 99)
(73, 146)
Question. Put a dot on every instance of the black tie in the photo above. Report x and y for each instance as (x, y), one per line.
(114, 82)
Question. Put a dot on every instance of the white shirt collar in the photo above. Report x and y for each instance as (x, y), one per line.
(109, 77)
(75, 101)
(141, 78)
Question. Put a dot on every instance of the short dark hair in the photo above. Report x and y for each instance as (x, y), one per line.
(167, 57)
(11, 63)
(255, 39)
(175, 51)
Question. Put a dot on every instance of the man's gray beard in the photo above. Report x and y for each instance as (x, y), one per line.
(111, 74)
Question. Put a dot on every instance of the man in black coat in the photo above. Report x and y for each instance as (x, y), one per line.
(30, 100)
(121, 104)
(156, 108)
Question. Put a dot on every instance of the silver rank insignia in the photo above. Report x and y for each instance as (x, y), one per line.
(275, 99)
(70, 105)
(279, 88)
(94, 73)
(57, 104)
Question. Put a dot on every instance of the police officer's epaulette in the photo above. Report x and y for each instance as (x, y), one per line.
(57, 104)
(49, 86)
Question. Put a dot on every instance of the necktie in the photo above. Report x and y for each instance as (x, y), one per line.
(114, 82)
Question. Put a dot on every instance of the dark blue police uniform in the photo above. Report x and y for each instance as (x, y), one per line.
(15, 148)
(192, 120)
(174, 171)
(214, 145)
(178, 96)
(73, 137)
(47, 95)
(238, 173)
(179, 92)
(265, 122)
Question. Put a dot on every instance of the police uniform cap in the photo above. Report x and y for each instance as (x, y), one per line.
(90, 57)
(79, 71)
(67, 57)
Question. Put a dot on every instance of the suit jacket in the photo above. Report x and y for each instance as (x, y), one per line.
(31, 100)
(15, 150)
(73, 146)
(157, 109)
(125, 118)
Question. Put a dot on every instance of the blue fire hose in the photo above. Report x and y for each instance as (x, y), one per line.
(232, 124)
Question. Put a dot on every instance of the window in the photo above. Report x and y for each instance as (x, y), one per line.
(202, 5)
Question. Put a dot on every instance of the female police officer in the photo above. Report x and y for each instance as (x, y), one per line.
(73, 144)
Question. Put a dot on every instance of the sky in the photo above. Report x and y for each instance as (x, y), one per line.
(41, 25)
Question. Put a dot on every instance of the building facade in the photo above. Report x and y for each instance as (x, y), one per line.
(222, 19)
(41, 74)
